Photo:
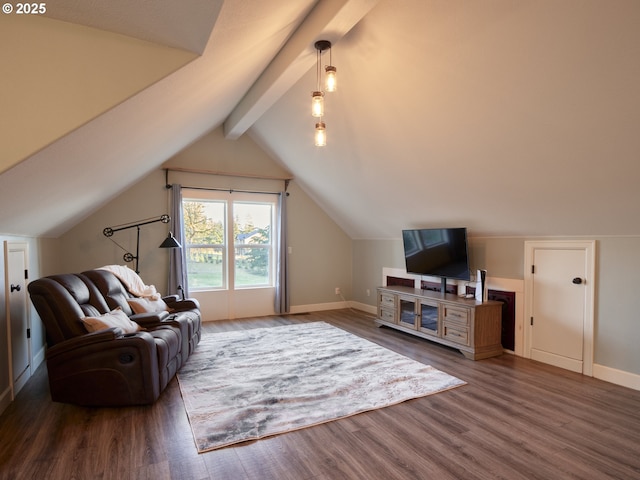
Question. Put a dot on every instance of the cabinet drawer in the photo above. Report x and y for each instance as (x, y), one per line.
(456, 334)
(387, 300)
(387, 315)
(460, 316)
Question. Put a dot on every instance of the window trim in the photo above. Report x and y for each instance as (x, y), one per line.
(229, 248)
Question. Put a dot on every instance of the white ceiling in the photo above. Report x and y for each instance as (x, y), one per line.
(508, 117)
(185, 24)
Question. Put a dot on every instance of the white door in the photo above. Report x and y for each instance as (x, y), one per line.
(559, 286)
(17, 313)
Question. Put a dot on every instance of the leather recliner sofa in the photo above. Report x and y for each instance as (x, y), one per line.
(109, 367)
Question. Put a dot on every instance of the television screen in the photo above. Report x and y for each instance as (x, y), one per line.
(440, 252)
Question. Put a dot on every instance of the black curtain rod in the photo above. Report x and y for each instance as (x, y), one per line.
(230, 190)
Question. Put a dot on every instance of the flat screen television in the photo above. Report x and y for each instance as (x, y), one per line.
(439, 252)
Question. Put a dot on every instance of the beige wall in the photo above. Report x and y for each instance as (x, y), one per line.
(323, 256)
(64, 75)
(85, 247)
(320, 258)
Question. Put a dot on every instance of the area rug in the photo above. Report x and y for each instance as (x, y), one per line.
(250, 384)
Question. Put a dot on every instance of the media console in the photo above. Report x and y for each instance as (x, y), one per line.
(471, 326)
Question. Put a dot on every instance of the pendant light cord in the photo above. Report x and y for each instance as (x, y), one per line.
(318, 60)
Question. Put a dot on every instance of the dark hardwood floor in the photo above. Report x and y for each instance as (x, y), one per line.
(515, 419)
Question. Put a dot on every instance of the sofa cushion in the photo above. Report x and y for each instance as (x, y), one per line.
(115, 318)
(147, 305)
(110, 288)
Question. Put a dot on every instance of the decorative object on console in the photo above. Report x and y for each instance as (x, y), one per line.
(128, 257)
(481, 286)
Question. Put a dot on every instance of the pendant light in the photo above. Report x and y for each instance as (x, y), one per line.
(317, 104)
(331, 80)
(321, 134)
(331, 72)
(317, 97)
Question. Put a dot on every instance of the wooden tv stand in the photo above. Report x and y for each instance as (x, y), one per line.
(473, 327)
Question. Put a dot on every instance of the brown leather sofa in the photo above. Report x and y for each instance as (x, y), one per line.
(109, 367)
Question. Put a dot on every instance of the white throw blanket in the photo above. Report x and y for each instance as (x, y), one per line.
(132, 281)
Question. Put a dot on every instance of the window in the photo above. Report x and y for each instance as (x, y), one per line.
(229, 239)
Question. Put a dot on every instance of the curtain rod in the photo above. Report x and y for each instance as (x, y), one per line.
(226, 174)
(286, 180)
(230, 190)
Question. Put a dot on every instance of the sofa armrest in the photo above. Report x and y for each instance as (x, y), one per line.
(177, 305)
(149, 318)
(106, 368)
(85, 340)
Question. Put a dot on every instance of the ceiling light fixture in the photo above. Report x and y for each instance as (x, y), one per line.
(317, 97)
(321, 137)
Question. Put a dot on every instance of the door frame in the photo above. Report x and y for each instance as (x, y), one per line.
(24, 248)
(589, 248)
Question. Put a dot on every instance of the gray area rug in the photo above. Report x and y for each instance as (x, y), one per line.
(249, 384)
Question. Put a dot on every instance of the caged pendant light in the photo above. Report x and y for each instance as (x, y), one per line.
(317, 97)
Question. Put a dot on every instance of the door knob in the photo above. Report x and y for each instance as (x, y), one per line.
(15, 288)
(577, 281)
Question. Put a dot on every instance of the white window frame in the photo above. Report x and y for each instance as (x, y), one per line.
(229, 246)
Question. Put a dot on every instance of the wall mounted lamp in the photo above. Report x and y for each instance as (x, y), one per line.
(169, 242)
(317, 97)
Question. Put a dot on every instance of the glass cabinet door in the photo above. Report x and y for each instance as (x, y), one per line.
(428, 318)
(407, 316)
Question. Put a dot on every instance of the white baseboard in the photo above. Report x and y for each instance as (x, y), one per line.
(38, 358)
(619, 377)
(372, 309)
(5, 399)
(318, 307)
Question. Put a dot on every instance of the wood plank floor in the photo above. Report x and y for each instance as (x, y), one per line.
(515, 419)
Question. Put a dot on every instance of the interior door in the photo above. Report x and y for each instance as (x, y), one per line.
(560, 308)
(18, 320)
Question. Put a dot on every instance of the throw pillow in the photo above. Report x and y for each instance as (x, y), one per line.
(147, 305)
(115, 318)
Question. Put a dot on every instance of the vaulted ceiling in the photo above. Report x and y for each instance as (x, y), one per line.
(509, 117)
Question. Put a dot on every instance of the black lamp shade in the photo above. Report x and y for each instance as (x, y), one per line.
(170, 242)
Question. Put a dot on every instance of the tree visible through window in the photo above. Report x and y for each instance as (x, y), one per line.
(220, 257)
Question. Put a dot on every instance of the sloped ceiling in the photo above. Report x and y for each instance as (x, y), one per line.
(510, 118)
(186, 24)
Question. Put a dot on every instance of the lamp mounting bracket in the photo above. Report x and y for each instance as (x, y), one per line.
(128, 257)
(323, 45)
